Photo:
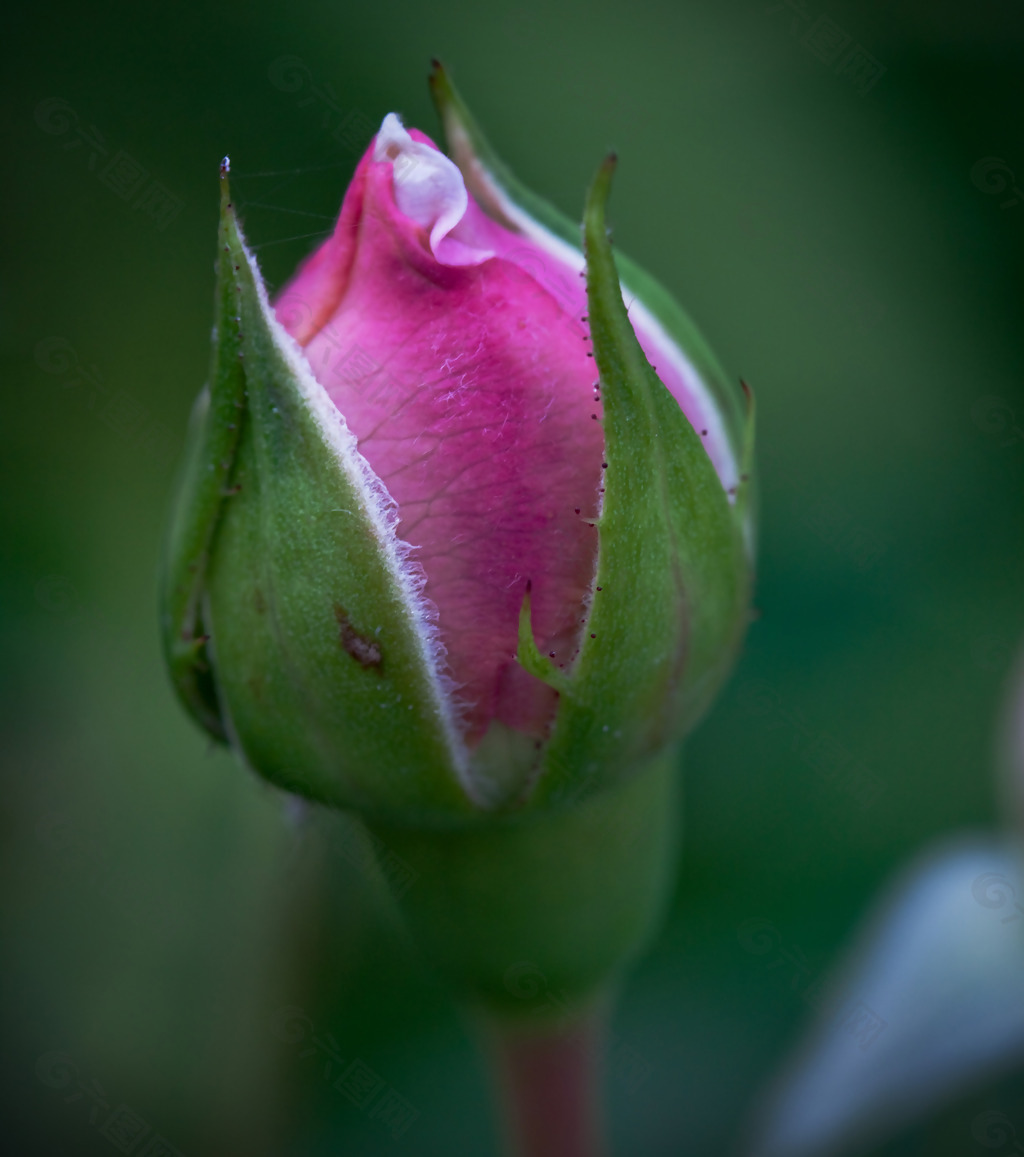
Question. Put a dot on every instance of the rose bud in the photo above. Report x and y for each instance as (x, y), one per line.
(463, 544)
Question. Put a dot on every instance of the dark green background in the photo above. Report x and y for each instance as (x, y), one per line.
(837, 254)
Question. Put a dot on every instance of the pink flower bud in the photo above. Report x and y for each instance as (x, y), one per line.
(462, 544)
(461, 528)
(458, 353)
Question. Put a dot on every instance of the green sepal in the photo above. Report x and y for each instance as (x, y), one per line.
(499, 193)
(529, 655)
(673, 583)
(202, 488)
(325, 677)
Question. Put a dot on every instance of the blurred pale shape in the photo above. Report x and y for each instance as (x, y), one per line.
(929, 1000)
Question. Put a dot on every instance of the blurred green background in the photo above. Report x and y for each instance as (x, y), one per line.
(850, 243)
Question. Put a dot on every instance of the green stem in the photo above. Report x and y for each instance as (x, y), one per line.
(533, 922)
(549, 1082)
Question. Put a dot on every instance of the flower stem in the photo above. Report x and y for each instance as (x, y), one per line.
(549, 1079)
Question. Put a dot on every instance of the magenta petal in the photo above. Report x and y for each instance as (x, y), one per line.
(558, 268)
(469, 389)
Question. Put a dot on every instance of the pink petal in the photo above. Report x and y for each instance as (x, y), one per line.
(470, 391)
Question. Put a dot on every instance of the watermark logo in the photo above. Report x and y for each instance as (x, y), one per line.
(357, 1082)
(118, 410)
(824, 39)
(352, 128)
(994, 890)
(995, 1130)
(124, 1128)
(117, 170)
(853, 1017)
(995, 417)
(992, 175)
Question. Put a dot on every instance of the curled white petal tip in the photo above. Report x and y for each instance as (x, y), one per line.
(429, 190)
